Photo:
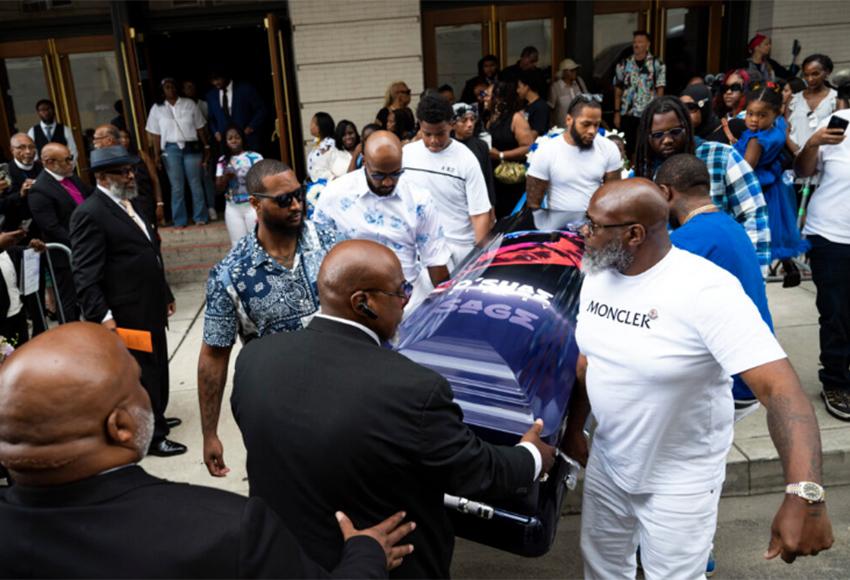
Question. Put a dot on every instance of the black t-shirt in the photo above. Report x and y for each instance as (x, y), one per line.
(538, 116)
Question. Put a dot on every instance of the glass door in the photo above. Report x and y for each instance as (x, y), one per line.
(540, 25)
(455, 39)
(688, 37)
(80, 76)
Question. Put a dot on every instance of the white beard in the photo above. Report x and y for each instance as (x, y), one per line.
(123, 192)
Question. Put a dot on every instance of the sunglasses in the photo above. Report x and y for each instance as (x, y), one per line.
(382, 176)
(405, 292)
(284, 200)
(660, 135)
(691, 106)
(733, 88)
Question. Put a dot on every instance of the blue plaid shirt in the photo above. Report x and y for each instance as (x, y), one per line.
(735, 189)
(251, 294)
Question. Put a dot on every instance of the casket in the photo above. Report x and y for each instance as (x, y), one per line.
(502, 332)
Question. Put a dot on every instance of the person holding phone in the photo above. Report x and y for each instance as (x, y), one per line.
(827, 153)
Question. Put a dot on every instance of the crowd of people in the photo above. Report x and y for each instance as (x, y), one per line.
(680, 247)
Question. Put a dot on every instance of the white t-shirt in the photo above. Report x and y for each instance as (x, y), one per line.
(454, 178)
(829, 211)
(661, 348)
(573, 174)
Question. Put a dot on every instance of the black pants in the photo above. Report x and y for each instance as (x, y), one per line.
(830, 263)
(629, 126)
(154, 367)
(63, 287)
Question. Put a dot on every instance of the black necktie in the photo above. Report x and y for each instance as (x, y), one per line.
(225, 106)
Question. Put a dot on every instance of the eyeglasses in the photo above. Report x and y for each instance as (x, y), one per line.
(382, 176)
(405, 292)
(284, 200)
(24, 147)
(592, 226)
(124, 171)
(660, 135)
(733, 88)
(691, 106)
(68, 159)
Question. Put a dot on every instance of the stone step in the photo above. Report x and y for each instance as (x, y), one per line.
(189, 253)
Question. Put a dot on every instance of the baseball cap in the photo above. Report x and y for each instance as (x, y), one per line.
(568, 64)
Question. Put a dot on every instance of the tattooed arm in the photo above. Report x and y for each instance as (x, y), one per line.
(212, 375)
(799, 529)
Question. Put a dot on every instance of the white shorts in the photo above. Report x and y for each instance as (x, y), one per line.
(674, 532)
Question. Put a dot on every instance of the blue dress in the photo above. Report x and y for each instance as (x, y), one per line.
(785, 239)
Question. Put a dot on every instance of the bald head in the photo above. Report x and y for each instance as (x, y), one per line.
(23, 148)
(631, 200)
(71, 405)
(382, 156)
(629, 231)
(57, 158)
(358, 273)
(106, 136)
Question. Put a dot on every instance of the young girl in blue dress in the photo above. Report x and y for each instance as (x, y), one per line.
(761, 144)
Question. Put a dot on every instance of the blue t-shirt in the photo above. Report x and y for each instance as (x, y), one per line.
(720, 239)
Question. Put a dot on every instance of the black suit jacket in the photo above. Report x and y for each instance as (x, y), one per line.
(128, 524)
(51, 207)
(332, 421)
(116, 267)
(12, 205)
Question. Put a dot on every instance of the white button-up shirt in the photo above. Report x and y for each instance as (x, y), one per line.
(49, 130)
(405, 221)
(177, 123)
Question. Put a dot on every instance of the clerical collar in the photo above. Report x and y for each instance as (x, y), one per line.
(24, 167)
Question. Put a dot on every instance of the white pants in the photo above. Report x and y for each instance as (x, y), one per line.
(674, 531)
(240, 219)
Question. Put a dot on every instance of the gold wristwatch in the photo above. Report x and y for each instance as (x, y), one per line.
(808, 490)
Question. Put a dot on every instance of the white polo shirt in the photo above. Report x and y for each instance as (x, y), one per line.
(661, 348)
(177, 123)
(829, 211)
(573, 174)
(454, 178)
(405, 221)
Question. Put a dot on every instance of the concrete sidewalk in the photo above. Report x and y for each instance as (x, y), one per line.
(753, 467)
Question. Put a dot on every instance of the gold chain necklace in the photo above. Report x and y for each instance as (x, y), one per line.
(701, 209)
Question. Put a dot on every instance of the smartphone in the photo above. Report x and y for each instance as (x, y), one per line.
(836, 122)
(4, 173)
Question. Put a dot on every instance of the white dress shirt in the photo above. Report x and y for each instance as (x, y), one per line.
(356, 325)
(229, 90)
(405, 221)
(177, 123)
(48, 130)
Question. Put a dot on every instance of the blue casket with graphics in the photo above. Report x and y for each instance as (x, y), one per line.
(502, 332)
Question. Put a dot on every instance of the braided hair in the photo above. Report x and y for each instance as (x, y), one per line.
(643, 147)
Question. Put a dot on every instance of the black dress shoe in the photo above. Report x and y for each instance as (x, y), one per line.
(173, 422)
(166, 448)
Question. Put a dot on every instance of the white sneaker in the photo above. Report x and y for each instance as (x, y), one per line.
(213, 214)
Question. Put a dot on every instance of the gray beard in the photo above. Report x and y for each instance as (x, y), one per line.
(612, 256)
(123, 192)
(144, 435)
